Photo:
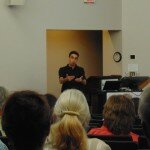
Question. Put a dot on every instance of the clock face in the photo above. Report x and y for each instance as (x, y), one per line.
(117, 56)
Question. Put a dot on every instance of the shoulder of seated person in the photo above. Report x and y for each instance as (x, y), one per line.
(48, 146)
(3, 146)
(99, 144)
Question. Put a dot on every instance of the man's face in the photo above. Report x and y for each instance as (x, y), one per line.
(73, 59)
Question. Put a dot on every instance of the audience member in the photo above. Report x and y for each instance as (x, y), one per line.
(3, 96)
(144, 112)
(3, 146)
(26, 120)
(51, 101)
(119, 114)
(68, 133)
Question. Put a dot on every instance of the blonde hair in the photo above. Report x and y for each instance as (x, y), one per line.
(72, 112)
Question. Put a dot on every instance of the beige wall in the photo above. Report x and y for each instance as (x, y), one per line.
(23, 35)
(136, 35)
(60, 43)
(23, 30)
(111, 43)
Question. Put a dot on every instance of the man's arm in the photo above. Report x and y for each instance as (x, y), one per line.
(84, 81)
(62, 80)
(81, 79)
(67, 78)
(62, 76)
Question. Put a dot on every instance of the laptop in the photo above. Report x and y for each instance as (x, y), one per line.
(112, 86)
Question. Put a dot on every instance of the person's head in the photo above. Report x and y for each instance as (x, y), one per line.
(51, 100)
(72, 112)
(3, 96)
(73, 58)
(119, 114)
(144, 111)
(26, 120)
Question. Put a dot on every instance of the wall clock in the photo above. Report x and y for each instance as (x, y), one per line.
(117, 57)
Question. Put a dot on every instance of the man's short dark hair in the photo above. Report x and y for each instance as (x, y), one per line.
(26, 120)
(74, 52)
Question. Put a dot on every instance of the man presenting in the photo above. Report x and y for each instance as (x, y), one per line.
(72, 76)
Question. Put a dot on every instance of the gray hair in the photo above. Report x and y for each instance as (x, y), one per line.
(73, 102)
(3, 96)
(144, 106)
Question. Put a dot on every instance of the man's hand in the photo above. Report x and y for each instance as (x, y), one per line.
(79, 79)
(69, 78)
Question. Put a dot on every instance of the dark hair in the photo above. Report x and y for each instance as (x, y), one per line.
(26, 120)
(119, 114)
(51, 99)
(74, 52)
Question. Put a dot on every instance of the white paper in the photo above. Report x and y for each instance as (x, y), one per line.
(133, 67)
